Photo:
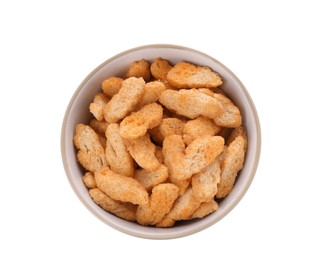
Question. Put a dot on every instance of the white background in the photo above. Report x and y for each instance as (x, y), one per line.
(49, 47)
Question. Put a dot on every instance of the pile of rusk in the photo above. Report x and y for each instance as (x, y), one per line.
(156, 150)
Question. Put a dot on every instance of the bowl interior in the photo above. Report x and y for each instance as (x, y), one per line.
(78, 112)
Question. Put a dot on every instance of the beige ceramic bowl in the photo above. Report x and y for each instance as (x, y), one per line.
(78, 112)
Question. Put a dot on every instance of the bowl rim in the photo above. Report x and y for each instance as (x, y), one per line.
(230, 206)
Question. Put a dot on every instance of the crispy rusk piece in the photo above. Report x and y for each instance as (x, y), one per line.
(183, 185)
(88, 180)
(191, 103)
(120, 187)
(165, 222)
(137, 124)
(205, 209)
(187, 75)
(150, 179)
(99, 126)
(161, 200)
(146, 216)
(238, 131)
(97, 106)
(125, 100)
(168, 126)
(139, 68)
(199, 127)
(198, 155)
(207, 91)
(143, 152)
(151, 94)
(111, 86)
(231, 116)
(172, 145)
(184, 206)
(205, 184)
(160, 68)
(159, 155)
(232, 164)
(126, 211)
(184, 162)
(91, 153)
(117, 156)
(222, 155)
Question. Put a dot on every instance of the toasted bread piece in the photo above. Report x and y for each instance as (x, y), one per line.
(143, 152)
(111, 86)
(120, 187)
(125, 100)
(173, 145)
(182, 184)
(199, 127)
(166, 222)
(232, 164)
(91, 153)
(139, 68)
(88, 180)
(205, 209)
(97, 106)
(184, 206)
(231, 116)
(161, 200)
(99, 127)
(191, 103)
(151, 179)
(137, 124)
(168, 126)
(187, 75)
(151, 94)
(117, 156)
(183, 163)
(238, 131)
(160, 68)
(205, 184)
(126, 211)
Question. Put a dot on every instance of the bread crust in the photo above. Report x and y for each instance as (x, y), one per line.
(184, 162)
(126, 211)
(91, 153)
(125, 100)
(111, 86)
(137, 124)
(231, 116)
(118, 158)
(139, 68)
(97, 106)
(120, 187)
(198, 127)
(231, 165)
(161, 200)
(191, 103)
(187, 75)
(160, 68)
(143, 152)
(150, 179)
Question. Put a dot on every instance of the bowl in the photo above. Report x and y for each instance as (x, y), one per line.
(78, 112)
